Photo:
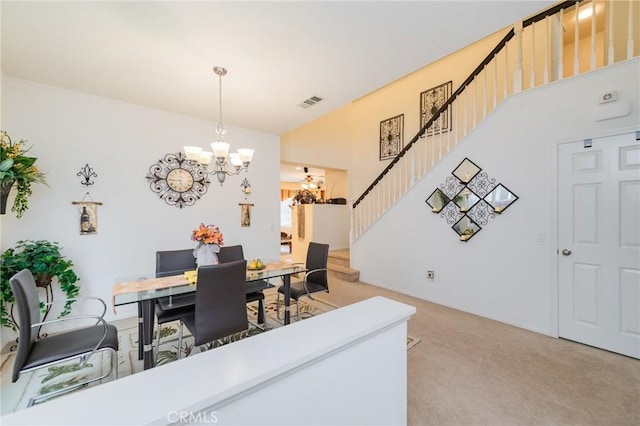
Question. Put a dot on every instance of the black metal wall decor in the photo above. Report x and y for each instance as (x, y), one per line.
(430, 102)
(178, 181)
(87, 173)
(246, 187)
(391, 137)
(469, 198)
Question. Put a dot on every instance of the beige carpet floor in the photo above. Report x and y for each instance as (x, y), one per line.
(469, 370)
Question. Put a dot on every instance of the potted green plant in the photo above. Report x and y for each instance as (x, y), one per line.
(16, 167)
(46, 263)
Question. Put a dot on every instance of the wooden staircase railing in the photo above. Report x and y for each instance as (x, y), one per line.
(548, 47)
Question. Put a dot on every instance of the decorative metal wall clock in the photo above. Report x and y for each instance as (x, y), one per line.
(430, 102)
(391, 136)
(178, 181)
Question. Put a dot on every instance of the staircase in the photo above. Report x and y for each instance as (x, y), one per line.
(338, 266)
(530, 54)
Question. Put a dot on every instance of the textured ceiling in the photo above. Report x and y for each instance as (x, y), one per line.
(161, 54)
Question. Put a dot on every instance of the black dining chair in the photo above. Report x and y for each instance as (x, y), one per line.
(220, 308)
(314, 280)
(171, 308)
(81, 343)
(233, 253)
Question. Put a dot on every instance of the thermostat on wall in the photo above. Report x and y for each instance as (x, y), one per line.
(608, 97)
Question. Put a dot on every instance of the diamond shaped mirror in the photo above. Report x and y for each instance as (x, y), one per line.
(437, 200)
(466, 171)
(466, 228)
(500, 198)
(465, 199)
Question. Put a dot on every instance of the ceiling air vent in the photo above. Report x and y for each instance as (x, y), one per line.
(309, 102)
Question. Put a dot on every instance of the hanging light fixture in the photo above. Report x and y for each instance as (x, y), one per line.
(220, 149)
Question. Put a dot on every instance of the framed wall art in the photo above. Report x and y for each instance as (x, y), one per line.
(430, 102)
(245, 214)
(87, 215)
(391, 137)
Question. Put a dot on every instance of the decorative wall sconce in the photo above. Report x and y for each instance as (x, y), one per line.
(246, 187)
(469, 198)
(87, 173)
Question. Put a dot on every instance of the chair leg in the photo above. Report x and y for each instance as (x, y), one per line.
(278, 307)
(157, 343)
(297, 310)
(180, 341)
(261, 312)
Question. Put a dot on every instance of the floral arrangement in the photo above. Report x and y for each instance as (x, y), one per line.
(16, 167)
(207, 234)
(304, 196)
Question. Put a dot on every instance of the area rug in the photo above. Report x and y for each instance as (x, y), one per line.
(15, 396)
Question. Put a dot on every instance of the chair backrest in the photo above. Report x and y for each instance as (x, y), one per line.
(170, 262)
(220, 301)
(230, 254)
(317, 255)
(28, 303)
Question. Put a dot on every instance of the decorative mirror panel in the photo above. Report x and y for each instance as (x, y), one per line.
(437, 200)
(469, 198)
(500, 198)
(466, 171)
(466, 228)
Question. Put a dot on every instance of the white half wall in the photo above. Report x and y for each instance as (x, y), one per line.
(508, 270)
(120, 141)
(345, 367)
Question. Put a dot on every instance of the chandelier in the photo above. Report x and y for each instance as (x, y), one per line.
(220, 149)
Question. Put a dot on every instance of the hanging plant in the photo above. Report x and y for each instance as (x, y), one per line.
(17, 168)
(46, 263)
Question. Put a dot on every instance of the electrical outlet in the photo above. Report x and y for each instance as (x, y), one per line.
(431, 274)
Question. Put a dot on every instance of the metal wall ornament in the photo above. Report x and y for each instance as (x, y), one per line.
(178, 181)
(469, 198)
(391, 137)
(246, 187)
(431, 101)
(87, 173)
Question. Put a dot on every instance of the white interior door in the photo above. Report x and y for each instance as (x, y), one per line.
(599, 243)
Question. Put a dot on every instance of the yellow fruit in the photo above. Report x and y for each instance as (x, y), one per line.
(253, 264)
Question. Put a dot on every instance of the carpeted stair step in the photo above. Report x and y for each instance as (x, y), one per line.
(339, 257)
(342, 272)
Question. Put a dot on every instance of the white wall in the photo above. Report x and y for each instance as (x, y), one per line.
(504, 272)
(324, 223)
(120, 141)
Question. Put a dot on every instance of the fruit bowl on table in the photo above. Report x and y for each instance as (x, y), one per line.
(257, 268)
(256, 265)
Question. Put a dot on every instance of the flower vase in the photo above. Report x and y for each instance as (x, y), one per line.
(206, 254)
(5, 188)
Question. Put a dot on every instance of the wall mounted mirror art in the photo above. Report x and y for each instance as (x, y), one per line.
(469, 198)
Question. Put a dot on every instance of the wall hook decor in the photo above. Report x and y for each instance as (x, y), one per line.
(469, 198)
(87, 173)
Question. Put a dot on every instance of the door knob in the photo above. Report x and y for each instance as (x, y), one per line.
(566, 252)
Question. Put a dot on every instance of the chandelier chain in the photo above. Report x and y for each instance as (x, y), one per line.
(220, 71)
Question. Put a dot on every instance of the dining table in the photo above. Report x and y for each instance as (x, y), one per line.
(144, 289)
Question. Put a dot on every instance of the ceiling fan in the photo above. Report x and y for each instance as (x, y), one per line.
(311, 182)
